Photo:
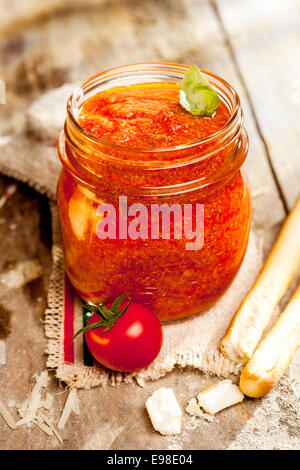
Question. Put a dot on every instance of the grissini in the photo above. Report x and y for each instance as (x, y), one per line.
(275, 352)
(255, 312)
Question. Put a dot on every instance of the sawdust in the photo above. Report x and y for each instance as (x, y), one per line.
(189, 423)
(275, 424)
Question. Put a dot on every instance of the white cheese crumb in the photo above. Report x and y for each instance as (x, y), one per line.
(164, 411)
(193, 409)
(219, 396)
(140, 381)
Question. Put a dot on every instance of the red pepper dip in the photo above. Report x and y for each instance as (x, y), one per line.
(147, 116)
(129, 138)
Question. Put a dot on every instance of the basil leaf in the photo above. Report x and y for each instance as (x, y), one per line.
(196, 94)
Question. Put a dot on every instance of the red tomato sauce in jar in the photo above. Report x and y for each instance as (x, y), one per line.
(137, 141)
(147, 116)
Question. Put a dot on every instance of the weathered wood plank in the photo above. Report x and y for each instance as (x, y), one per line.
(94, 37)
(122, 32)
(127, 31)
(214, 55)
(16, 14)
(266, 37)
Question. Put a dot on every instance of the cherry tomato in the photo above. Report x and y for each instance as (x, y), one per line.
(133, 341)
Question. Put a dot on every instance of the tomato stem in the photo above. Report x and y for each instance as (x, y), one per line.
(109, 316)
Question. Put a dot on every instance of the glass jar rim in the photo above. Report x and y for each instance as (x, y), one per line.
(177, 71)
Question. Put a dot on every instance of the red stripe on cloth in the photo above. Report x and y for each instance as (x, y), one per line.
(69, 322)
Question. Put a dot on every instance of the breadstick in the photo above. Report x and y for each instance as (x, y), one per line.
(275, 352)
(254, 313)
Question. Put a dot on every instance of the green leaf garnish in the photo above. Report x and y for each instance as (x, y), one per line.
(196, 94)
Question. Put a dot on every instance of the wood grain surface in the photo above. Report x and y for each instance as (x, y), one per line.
(255, 46)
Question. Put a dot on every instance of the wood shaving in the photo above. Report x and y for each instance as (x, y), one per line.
(70, 405)
(2, 353)
(7, 416)
(49, 423)
(44, 427)
(31, 411)
(34, 402)
(48, 403)
(76, 407)
(22, 407)
(8, 193)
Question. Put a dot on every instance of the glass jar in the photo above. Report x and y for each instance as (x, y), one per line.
(164, 269)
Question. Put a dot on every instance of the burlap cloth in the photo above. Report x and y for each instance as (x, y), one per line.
(32, 158)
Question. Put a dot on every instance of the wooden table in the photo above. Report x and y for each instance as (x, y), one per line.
(254, 44)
